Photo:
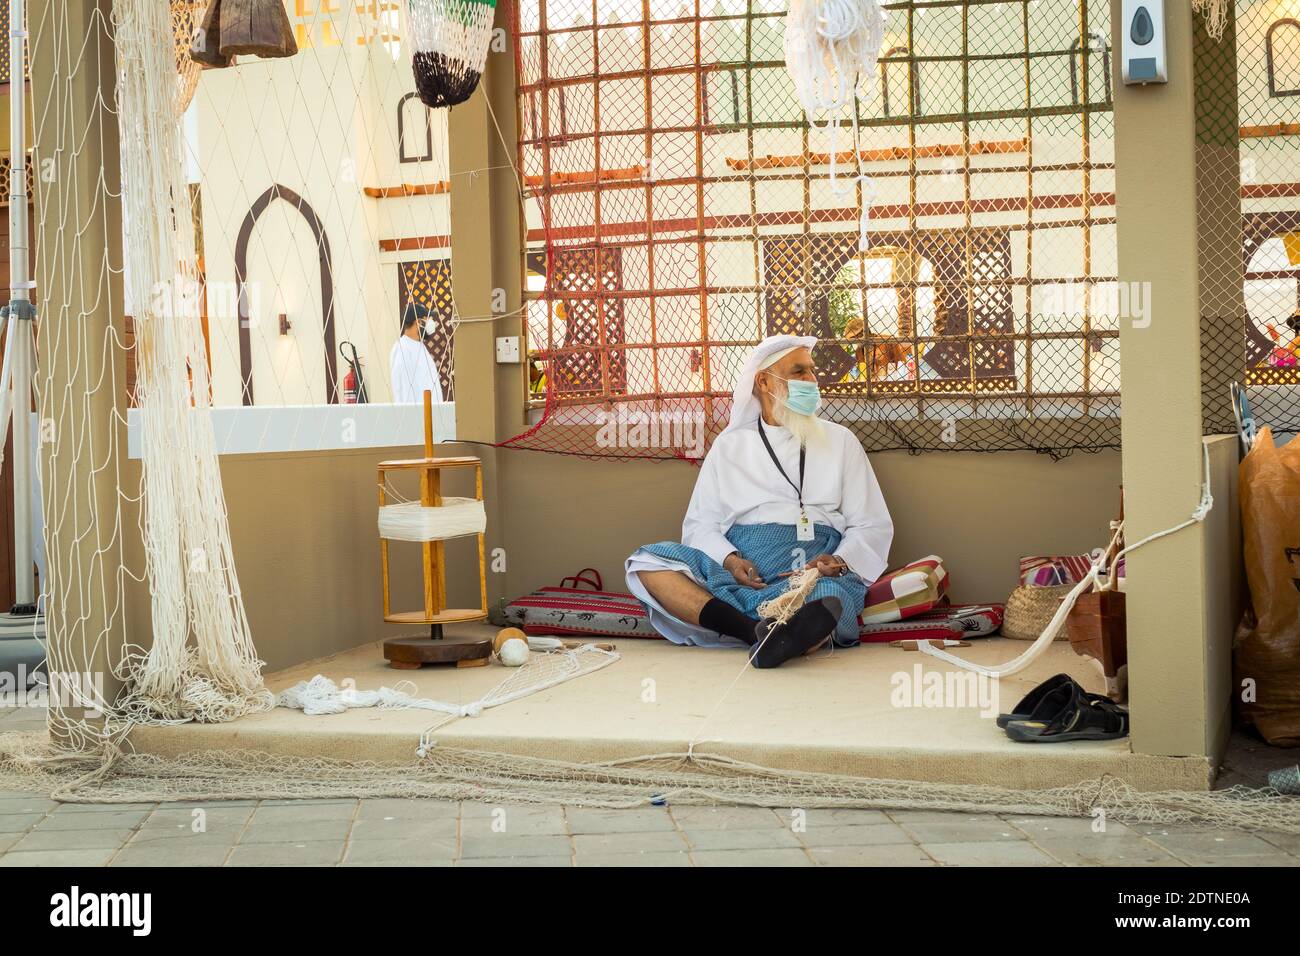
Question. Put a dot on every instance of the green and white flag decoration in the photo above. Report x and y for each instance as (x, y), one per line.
(449, 39)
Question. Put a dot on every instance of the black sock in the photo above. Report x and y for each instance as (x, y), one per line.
(811, 625)
(720, 616)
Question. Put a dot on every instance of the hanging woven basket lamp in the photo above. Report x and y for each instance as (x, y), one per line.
(450, 40)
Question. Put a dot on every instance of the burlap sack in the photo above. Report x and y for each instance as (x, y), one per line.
(1030, 610)
(1267, 649)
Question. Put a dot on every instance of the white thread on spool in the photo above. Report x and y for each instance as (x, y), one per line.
(411, 521)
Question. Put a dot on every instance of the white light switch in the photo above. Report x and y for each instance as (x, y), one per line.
(1142, 42)
(508, 350)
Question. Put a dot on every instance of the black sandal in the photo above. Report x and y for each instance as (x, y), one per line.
(1025, 709)
(1066, 714)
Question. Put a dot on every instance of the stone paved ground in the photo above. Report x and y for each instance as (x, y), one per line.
(35, 831)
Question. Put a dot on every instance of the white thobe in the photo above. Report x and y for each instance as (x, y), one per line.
(413, 371)
(738, 484)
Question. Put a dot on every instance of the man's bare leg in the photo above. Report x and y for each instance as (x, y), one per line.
(676, 593)
(679, 595)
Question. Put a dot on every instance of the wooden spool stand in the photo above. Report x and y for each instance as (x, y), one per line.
(438, 648)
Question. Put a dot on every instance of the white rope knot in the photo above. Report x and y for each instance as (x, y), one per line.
(471, 710)
(839, 19)
(784, 606)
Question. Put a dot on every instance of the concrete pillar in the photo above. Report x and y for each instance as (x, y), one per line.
(80, 380)
(1179, 242)
(487, 276)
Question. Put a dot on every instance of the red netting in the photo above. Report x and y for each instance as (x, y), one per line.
(681, 208)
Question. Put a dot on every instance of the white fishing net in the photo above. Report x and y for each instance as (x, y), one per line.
(673, 778)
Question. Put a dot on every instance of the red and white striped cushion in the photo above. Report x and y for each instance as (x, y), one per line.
(907, 592)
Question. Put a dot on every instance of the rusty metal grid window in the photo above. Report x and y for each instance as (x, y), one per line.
(681, 208)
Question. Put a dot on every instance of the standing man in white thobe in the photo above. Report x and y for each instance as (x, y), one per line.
(412, 367)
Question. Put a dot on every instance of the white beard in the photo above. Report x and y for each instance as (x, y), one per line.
(807, 429)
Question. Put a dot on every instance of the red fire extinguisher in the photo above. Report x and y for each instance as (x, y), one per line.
(354, 386)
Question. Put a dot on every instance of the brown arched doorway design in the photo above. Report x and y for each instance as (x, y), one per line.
(326, 288)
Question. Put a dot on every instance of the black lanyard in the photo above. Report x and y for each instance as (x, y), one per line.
(803, 453)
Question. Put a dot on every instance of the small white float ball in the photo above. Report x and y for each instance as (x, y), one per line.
(513, 653)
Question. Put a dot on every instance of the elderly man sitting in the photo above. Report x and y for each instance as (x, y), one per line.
(780, 490)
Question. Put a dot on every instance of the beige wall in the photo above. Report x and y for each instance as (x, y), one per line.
(303, 528)
(306, 544)
(981, 512)
(335, 131)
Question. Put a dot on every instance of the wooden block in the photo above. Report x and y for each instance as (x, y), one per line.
(1098, 629)
(256, 28)
(206, 46)
(452, 649)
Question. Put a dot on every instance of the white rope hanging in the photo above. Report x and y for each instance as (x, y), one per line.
(1093, 576)
(411, 521)
(1216, 16)
(201, 663)
(320, 695)
(831, 46)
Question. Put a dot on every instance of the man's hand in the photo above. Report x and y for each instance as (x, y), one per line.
(743, 571)
(829, 565)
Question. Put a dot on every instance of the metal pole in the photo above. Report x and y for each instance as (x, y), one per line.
(20, 307)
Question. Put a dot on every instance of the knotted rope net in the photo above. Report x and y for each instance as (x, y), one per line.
(201, 664)
(697, 778)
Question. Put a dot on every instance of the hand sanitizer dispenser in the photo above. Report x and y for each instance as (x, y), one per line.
(1142, 46)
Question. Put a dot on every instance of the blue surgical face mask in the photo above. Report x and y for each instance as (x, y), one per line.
(802, 398)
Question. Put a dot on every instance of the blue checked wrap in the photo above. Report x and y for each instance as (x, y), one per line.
(773, 548)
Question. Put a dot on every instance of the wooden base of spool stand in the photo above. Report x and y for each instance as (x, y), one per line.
(1097, 626)
(414, 651)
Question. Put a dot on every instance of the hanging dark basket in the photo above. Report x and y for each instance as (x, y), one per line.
(450, 40)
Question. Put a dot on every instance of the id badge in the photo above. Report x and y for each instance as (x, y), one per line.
(805, 528)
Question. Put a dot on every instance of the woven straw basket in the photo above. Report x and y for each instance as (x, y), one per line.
(1030, 610)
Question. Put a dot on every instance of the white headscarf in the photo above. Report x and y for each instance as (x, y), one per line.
(745, 407)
